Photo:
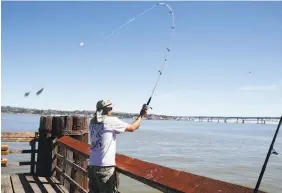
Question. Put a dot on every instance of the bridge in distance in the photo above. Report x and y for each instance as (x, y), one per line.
(258, 120)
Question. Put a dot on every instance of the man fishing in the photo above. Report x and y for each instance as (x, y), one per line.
(103, 129)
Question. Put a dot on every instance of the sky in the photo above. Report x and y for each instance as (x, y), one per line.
(225, 58)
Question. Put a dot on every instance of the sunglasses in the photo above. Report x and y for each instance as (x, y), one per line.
(110, 108)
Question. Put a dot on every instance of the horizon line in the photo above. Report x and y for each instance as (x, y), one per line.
(194, 116)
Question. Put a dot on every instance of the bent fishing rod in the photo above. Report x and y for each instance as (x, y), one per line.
(167, 49)
(270, 151)
(166, 52)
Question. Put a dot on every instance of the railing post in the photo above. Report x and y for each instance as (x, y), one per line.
(44, 156)
(67, 153)
(57, 127)
(80, 124)
(48, 133)
(33, 149)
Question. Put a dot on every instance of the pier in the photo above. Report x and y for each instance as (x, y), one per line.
(59, 154)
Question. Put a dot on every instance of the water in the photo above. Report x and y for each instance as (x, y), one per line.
(229, 152)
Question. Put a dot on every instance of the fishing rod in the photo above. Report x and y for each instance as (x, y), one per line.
(166, 53)
(270, 151)
(167, 49)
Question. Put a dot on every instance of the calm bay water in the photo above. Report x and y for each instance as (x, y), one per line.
(229, 152)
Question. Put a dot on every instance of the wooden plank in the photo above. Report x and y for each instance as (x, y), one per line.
(24, 163)
(6, 185)
(5, 152)
(44, 184)
(167, 179)
(60, 164)
(60, 171)
(67, 161)
(55, 160)
(75, 132)
(16, 151)
(78, 147)
(4, 147)
(18, 134)
(16, 139)
(17, 184)
(68, 169)
(4, 161)
(59, 185)
(35, 186)
(47, 184)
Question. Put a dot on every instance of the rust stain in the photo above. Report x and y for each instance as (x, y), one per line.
(167, 177)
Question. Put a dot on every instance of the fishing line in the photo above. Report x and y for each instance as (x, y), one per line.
(128, 22)
(160, 71)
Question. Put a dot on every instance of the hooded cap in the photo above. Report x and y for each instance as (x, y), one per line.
(101, 110)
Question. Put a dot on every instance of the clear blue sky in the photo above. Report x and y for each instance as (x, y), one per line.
(216, 45)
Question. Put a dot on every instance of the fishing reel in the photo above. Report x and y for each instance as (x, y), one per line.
(145, 107)
(274, 152)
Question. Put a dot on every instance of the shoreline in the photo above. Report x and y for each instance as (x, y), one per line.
(230, 121)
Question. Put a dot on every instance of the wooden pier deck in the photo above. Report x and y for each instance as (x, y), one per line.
(61, 164)
(21, 183)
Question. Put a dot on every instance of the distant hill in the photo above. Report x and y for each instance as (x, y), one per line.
(19, 110)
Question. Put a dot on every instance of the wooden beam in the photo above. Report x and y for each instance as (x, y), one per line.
(79, 147)
(60, 171)
(4, 147)
(32, 156)
(71, 163)
(4, 161)
(34, 185)
(18, 134)
(59, 185)
(16, 151)
(5, 152)
(6, 185)
(16, 139)
(17, 184)
(45, 147)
